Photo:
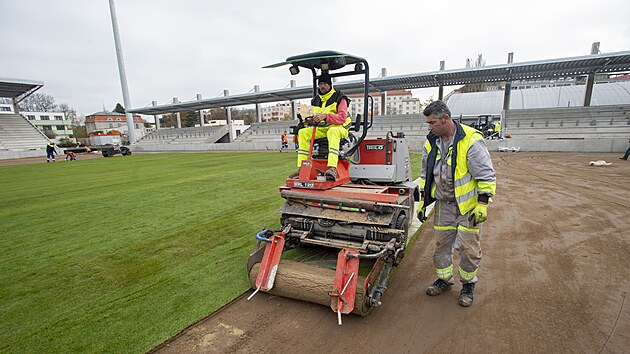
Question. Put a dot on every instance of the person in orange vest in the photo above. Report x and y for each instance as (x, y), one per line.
(285, 141)
(295, 141)
(70, 155)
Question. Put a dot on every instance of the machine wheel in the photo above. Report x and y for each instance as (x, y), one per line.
(401, 224)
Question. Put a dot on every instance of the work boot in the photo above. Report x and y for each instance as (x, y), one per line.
(438, 287)
(331, 174)
(466, 295)
(295, 174)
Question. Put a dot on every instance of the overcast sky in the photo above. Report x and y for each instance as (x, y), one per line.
(179, 48)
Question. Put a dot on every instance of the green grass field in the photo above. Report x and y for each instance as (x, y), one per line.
(120, 254)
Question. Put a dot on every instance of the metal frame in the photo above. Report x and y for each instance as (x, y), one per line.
(552, 68)
(18, 89)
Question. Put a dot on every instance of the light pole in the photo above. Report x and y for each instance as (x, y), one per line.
(123, 76)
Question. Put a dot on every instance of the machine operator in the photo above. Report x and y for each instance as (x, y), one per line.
(330, 112)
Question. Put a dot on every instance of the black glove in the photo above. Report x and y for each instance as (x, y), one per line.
(422, 212)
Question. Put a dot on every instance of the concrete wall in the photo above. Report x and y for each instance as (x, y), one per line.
(563, 145)
(415, 145)
(5, 155)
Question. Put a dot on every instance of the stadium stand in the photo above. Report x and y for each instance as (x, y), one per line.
(182, 139)
(593, 129)
(193, 135)
(602, 127)
(598, 122)
(267, 135)
(18, 134)
(266, 131)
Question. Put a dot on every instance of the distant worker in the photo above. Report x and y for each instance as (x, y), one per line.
(51, 150)
(285, 141)
(330, 113)
(457, 173)
(295, 141)
(625, 156)
(70, 155)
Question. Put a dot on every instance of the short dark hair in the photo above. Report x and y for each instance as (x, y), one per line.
(437, 108)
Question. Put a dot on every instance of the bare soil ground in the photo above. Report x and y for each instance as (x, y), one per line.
(553, 279)
(42, 159)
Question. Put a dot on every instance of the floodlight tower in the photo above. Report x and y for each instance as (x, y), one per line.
(123, 75)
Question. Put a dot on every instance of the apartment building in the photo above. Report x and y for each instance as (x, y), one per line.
(282, 111)
(397, 102)
(105, 121)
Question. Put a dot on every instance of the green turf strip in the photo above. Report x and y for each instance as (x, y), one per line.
(119, 254)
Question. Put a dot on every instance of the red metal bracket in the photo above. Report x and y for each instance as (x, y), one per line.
(309, 172)
(345, 287)
(269, 264)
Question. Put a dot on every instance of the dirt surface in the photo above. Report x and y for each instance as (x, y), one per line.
(553, 279)
(42, 159)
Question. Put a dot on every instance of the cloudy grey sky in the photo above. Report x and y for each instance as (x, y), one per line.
(185, 47)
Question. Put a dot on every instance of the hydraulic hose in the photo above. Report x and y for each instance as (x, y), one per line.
(259, 236)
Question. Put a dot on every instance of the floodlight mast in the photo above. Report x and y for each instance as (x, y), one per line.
(131, 132)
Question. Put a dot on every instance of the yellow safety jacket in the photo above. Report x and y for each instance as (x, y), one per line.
(466, 187)
(327, 104)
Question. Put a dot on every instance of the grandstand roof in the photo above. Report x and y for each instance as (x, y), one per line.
(552, 68)
(477, 103)
(18, 88)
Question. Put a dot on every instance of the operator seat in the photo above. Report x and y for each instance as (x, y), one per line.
(320, 146)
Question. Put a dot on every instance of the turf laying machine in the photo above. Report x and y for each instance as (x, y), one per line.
(339, 238)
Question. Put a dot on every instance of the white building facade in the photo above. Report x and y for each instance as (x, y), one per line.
(282, 111)
(50, 123)
(238, 125)
(397, 102)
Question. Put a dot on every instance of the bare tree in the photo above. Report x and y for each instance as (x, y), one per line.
(480, 61)
(68, 112)
(426, 102)
(79, 120)
(216, 114)
(248, 115)
(38, 102)
(477, 63)
(41, 102)
(168, 120)
(476, 87)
